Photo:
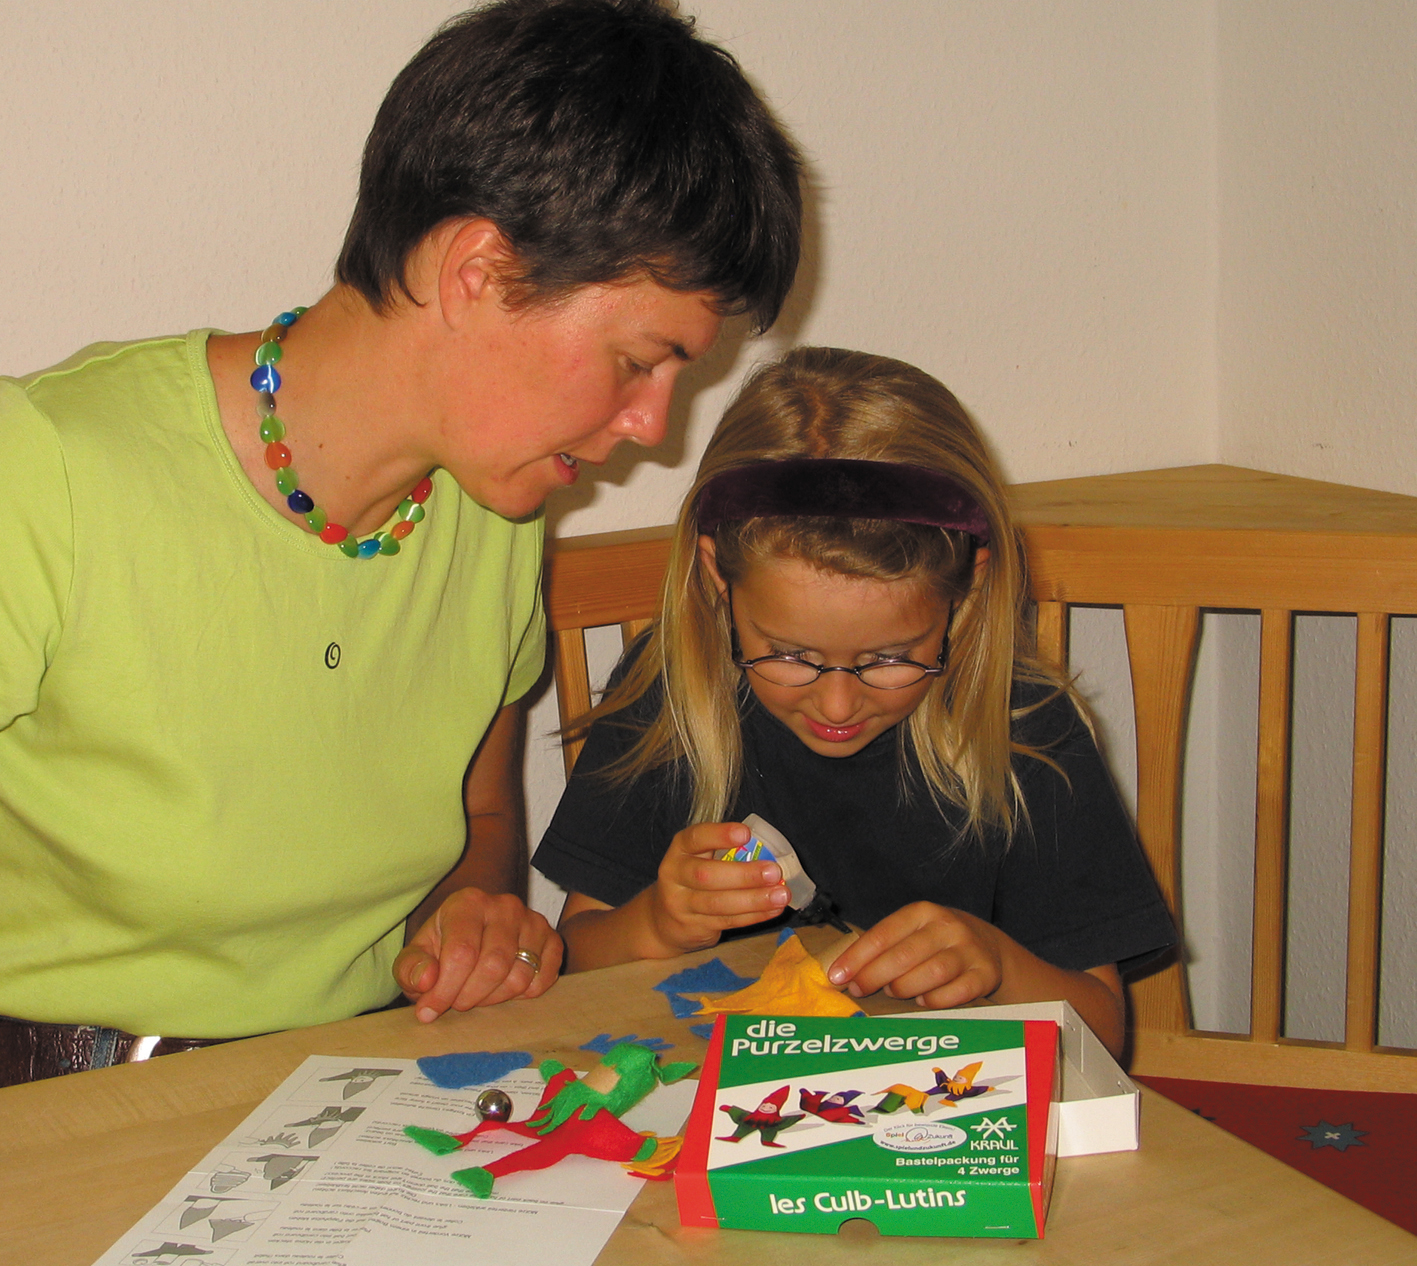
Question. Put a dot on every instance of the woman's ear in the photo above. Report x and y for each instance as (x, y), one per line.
(474, 255)
(708, 560)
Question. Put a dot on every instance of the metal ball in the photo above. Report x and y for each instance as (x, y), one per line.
(494, 1105)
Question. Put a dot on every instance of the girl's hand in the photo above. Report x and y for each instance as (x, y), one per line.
(938, 956)
(697, 898)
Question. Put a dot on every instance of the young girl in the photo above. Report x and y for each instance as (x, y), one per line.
(841, 651)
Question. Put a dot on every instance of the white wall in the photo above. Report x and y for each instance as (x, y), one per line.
(1318, 239)
(167, 165)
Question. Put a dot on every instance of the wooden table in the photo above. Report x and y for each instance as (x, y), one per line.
(82, 1158)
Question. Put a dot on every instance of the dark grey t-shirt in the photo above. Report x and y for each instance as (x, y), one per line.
(1072, 886)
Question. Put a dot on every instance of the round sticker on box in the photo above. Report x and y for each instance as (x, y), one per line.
(919, 1136)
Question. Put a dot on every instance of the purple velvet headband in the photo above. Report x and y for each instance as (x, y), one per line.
(829, 487)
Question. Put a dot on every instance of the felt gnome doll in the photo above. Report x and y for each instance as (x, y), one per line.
(766, 1118)
(836, 1107)
(576, 1117)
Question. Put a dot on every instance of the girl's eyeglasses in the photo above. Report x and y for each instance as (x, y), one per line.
(793, 670)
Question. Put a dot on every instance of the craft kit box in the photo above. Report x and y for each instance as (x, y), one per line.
(1099, 1107)
(921, 1127)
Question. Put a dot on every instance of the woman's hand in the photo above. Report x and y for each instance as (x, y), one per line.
(938, 956)
(465, 955)
(697, 898)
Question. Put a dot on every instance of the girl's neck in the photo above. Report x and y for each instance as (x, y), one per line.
(349, 401)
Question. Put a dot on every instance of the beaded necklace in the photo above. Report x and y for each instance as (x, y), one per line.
(266, 381)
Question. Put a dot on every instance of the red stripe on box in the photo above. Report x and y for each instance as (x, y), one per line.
(691, 1184)
(1040, 1043)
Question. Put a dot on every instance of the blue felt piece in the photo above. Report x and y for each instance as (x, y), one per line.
(471, 1068)
(784, 933)
(714, 976)
(603, 1042)
(704, 1031)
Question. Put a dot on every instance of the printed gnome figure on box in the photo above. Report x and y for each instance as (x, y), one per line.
(576, 1117)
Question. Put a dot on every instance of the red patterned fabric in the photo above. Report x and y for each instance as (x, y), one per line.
(1362, 1144)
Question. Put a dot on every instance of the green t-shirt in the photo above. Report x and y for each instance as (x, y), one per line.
(231, 758)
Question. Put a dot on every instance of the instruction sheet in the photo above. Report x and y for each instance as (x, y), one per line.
(322, 1174)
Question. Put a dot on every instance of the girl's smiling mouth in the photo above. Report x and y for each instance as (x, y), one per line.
(834, 733)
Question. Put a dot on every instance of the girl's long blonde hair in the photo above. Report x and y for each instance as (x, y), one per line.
(825, 402)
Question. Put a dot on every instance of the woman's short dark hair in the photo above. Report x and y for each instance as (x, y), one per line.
(604, 138)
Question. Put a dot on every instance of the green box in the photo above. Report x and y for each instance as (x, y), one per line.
(922, 1127)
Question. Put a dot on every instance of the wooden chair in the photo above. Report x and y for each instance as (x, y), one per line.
(1164, 546)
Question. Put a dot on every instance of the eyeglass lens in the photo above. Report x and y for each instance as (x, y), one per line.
(796, 672)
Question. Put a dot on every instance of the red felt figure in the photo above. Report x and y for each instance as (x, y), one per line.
(836, 1107)
(576, 1117)
(766, 1118)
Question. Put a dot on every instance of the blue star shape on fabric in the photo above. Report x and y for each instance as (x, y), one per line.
(471, 1068)
(602, 1043)
(1338, 1137)
(714, 976)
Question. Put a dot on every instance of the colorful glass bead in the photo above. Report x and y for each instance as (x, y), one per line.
(266, 382)
(266, 379)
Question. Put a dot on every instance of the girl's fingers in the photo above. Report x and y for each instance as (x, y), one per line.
(692, 860)
(960, 977)
(922, 951)
(918, 960)
(711, 837)
(712, 876)
(757, 902)
(958, 993)
(892, 931)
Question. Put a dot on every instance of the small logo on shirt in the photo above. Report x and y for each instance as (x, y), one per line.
(332, 655)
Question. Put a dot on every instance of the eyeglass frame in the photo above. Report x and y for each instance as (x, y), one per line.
(747, 665)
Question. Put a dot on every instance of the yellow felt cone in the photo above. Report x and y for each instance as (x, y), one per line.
(794, 983)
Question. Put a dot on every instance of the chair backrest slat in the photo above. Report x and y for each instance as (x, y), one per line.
(1366, 849)
(1161, 645)
(1271, 825)
(572, 689)
(1051, 633)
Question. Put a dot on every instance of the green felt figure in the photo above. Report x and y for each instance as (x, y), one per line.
(576, 1116)
(637, 1070)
